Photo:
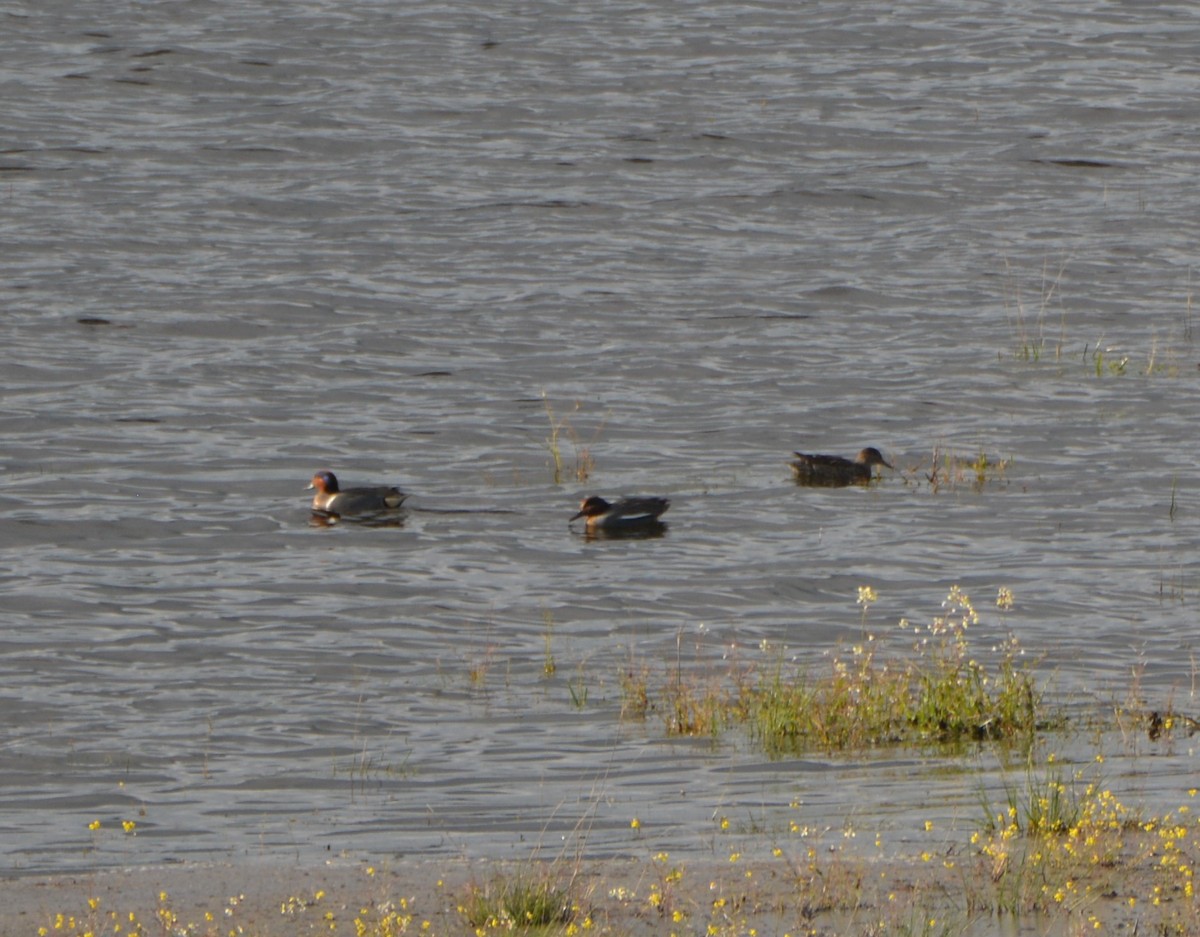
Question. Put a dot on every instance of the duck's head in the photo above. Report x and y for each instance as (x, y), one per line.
(324, 482)
(592, 506)
(872, 456)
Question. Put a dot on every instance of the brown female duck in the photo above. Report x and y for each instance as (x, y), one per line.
(833, 471)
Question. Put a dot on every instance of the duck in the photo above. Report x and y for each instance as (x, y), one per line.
(331, 499)
(834, 471)
(628, 515)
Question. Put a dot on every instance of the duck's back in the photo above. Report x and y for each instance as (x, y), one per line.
(633, 511)
(362, 500)
(831, 470)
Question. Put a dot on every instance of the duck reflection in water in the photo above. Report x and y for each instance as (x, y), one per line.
(628, 517)
(834, 471)
(383, 519)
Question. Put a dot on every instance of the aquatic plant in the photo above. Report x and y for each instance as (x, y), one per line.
(1030, 342)
(691, 705)
(585, 464)
(549, 665)
(1103, 363)
(948, 469)
(936, 692)
(634, 681)
(577, 687)
(1030, 337)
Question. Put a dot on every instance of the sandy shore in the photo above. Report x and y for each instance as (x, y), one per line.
(611, 897)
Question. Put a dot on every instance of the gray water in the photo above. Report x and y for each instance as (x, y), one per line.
(380, 238)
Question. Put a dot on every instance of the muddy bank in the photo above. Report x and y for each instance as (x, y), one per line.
(845, 895)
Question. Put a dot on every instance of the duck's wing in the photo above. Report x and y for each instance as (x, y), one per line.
(636, 509)
(821, 461)
(367, 500)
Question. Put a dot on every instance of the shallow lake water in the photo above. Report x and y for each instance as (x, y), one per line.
(405, 242)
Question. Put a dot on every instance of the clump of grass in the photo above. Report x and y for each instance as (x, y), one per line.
(1103, 361)
(1166, 724)
(1044, 804)
(477, 669)
(549, 665)
(1030, 337)
(1058, 843)
(1031, 343)
(1170, 366)
(822, 878)
(635, 692)
(585, 464)
(532, 898)
(1187, 316)
(662, 897)
(690, 706)
(577, 687)
(855, 706)
(951, 470)
(938, 692)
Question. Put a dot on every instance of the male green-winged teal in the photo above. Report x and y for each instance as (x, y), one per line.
(330, 499)
(628, 515)
(833, 471)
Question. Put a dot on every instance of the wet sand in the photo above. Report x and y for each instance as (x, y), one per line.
(613, 897)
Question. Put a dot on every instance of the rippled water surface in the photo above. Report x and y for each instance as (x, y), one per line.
(241, 244)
